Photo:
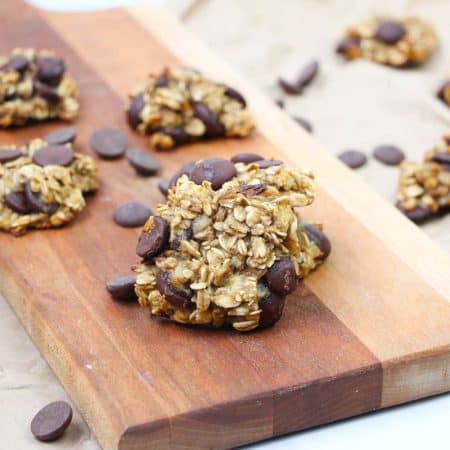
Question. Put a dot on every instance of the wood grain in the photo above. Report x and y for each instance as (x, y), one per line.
(368, 329)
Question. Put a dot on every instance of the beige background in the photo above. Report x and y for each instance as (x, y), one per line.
(351, 105)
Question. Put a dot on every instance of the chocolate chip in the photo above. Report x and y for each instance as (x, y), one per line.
(109, 143)
(305, 77)
(418, 215)
(50, 70)
(185, 169)
(281, 277)
(46, 92)
(304, 123)
(442, 158)
(144, 163)
(136, 106)
(279, 102)
(235, 95)
(153, 242)
(58, 155)
(17, 202)
(18, 63)
(213, 127)
(131, 214)
(61, 136)
(265, 163)
(122, 288)
(51, 421)
(178, 135)
(318, 237)
(176, 297)
(353, 158)
(36, 205)
(250, 190)
(163, 186)
(246, 158)
(9, 154)
(215, 170)
(271, 309)
(162, 81)
(184, 235)
(444, 92)
(288, 87)
(348, 43)
(389, 155)
(390, 32)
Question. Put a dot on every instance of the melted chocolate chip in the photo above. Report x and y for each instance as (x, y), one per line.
(235, 95)
(17, 202)
(250, 190)
(271, 309)
(319, 238)
(246, 158)
(281, 276)
(213, 126)
(50, 70)
(176, 297)
(153, 242)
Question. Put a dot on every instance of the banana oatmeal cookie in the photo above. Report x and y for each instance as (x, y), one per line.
(34, 86)
(228, 245)
(42, 185)
(424, 188)
(398, 43)
(179, 106)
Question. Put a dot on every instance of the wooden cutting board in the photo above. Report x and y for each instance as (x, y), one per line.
(370, 329)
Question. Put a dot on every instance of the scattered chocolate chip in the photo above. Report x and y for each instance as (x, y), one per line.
(50, 70)
(265, 163)
(109, 143)
(136, 106)
(178, 134)
(176, 297)
(131, 214)
(249, 190)
(353, 158)
(162, 81)
(163, 186)
(144, 163)
(418, 215)
(235, 95)
(122, 288)
(305, 77)
(388, 154)
(36, 205)
(46, 92)
(213, 126)
(390, 32)
(281, 277)
(153, 242)
(246, 158)
(185, 169)
(215, 170)
(8, 155)
(18, 63)
(444, 92)
(58, 155)
(288, 87)
(318, 237)
(61, 136)
(279, 102)
(303, 123)
(51, 421)
(442, 158)
(271, 309)
(17, 202)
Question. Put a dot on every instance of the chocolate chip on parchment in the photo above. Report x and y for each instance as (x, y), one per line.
(50, 70)
(176, 297)
(418, 215)
(213, 126)
(36, 205)
(307, 74)
(318, 237)
(17, 202)
(163, 186)
(303, 123)
(281, 277)
(389, 155)
(51, 421)
(265, 163)
(134, 110)
(271, 309)
(144, 163)
(153, 242)
(48, 93)
(235, 95)
(215, 170)
(389, 32)
(8, 155)
(108, 143)
(122, 288)
(249, 190)
(353, 158)
(131, 214)
(58, 155)
(246, 158)
(185, 169)
(18, 63)
(61, 136)
(279, 102)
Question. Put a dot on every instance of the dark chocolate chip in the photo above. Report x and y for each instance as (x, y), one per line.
(178, 135)
(122, 288)
(318, 237)
(61, 136)
(109, 143)
(246, 158)
(176, 297)
(17, 202)
(131, 214)
(304, 123)
(51, 421)
(235, 95)
(215, 170)
(213, 126)
(307, 74)
(9, 154)
(144, 163)
(418, 215)
(153, 242)
(279, 102)
(50, 70)
(353, 158)
(185, 235)
(442, 158)
(18, 63)
(162, 81)
(36, 205)
(389, 155)
(281, 277)
(185, 169)
(347, 44)
(48, 93)
(163, 186)
(136, 106)
(288, 87)
(271, 309)
(265, 163)
(58, 155)
(444, 92)
(250, 190)
(390, 32)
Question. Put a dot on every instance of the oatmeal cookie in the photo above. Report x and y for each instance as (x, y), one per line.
(179, 106)
(398, 43)
(34, 86)
(228, 245)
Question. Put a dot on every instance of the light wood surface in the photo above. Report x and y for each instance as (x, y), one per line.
(370, 329)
